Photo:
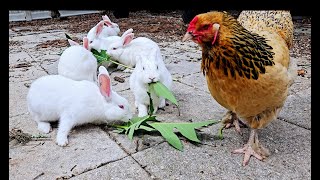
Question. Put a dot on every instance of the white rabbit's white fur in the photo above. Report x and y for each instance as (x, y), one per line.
(126, 49)
(57, 98)
(149, 68)
(78, 63)
(102, 43)
(110, 29)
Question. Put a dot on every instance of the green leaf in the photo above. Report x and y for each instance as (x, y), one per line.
(189, 133)
(163, 91)
(134, 124)
(131, 131)
(119, 130)
(146, 128)
(136, 119)
(168, 134)
(67, 36)
(186, 129)
(101, 56)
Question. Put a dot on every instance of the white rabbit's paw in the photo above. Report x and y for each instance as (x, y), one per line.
(142, 113)
(143, 110)
(62, 141)
(162, 103)
(44, 127)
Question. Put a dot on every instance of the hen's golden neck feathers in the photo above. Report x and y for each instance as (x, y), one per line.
(237, 51)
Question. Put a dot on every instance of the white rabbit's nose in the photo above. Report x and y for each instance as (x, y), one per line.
(152, 79)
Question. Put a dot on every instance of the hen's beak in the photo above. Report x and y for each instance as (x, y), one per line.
(187, 36)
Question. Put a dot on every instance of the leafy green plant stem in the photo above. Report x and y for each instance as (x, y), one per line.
(108, 59)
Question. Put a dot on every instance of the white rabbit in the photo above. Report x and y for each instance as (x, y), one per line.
(149, 68)
(106, 28)
(126, 49)
(77, 62)
(57, 98)
(102, 43)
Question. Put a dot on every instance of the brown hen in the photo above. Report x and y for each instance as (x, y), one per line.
(247, 71)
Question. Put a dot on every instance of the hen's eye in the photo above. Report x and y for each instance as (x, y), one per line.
(121, 106)
(206, 26)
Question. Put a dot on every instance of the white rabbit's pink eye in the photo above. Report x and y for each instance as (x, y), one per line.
(121, 106)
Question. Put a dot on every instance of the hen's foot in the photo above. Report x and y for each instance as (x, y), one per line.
(230, 119)
(252, 148)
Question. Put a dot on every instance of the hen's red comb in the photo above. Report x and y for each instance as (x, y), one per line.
(192, 24)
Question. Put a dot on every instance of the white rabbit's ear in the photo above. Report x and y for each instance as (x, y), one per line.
(127, 32)
(104, 83)
(72, 43)
(107, 20)
(86, 43)
(105, 17)
(99, 27)
(127, 39)
(103, 70)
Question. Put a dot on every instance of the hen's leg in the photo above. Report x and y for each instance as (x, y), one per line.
(230, 119)
(253, 148)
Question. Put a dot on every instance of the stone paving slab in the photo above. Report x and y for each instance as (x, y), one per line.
(88, 148)
(17, 98)
(215, 161)
(126, 168)
(297, 109)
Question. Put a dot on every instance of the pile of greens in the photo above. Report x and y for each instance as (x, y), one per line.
(167, 130)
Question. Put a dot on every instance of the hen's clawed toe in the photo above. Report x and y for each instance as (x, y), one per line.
(248, 151)
(252, 148)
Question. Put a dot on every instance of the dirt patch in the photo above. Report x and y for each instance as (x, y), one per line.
(166, 25)
(55, 43)
(159, 26)
(15, 43)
